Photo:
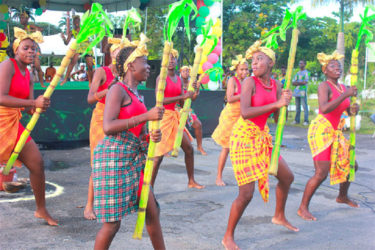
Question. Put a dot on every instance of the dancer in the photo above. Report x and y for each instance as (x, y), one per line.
(173, 94)
(251, 143)
(329, 148)
(120, 157)
(17, 93)
(193, 120)
(29, 28)
(103, 78)
(230, 113)
(81, 48)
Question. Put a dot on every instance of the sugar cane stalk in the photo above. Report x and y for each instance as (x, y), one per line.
(93, 23)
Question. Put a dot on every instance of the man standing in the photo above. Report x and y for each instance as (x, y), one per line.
(301, 80)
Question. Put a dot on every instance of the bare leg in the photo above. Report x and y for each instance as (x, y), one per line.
(31, 157)
(197, 125)
(39, 70)
(153, 223)
(189, 161)
(343, 193)
(157, 162)
(106, 234)
(70, 68)
(220, 166)
(321, 173)
(285, 177)
(89, 64)
(88, 213)
(238, 207)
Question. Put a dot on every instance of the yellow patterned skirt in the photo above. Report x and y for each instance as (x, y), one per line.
(96, 127)
(322, 135)
(250, 153)
(228, 117)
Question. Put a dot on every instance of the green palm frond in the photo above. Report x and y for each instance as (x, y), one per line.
(131, 17)
(364, 31)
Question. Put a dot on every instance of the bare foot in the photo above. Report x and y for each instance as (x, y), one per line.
(63, 82)
(229, 244)
(43, 214)
(305, 214)
(346, 200)
(220, 182)
(194, 184)
(89, 214)
(284, 222)
(42, 85)
(200, 149)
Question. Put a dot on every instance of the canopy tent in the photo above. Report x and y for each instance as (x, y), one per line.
(78, 5)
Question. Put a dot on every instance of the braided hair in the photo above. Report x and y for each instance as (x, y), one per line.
(121, 58)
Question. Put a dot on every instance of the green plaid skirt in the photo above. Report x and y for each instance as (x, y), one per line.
(117, 163)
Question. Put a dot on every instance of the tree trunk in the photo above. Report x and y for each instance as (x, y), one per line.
(341, 50)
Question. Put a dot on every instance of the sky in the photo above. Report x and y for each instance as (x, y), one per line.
(54, 16)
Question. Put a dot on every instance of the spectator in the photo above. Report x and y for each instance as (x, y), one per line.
(81, 74)
(301, 80)
(50, 72)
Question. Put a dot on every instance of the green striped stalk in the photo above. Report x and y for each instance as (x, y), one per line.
(178, 10)
(94, 23)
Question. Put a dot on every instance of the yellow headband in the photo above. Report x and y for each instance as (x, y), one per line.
(256, 48)
(21, 35)
(121, 43)
(141, 50)
(235, 63)
(185, 67)
(325, 59)
(174, 53)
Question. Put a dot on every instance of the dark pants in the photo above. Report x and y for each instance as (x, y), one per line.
(301, 100)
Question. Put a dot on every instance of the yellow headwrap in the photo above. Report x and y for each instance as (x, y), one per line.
(325, 59)
(185, 67)
(141, 50)
(21, 35)
(121, 43)
(174, 53)
(256, 48)
(239, 60)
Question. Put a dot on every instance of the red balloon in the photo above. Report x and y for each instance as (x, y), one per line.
(2, 36)
(200, 3)
(205, 79)
(87, 6)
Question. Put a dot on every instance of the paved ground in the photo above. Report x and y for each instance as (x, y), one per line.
(196, 219)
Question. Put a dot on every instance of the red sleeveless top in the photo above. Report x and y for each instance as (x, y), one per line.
(238, 86)
(109, 78)
(335, 115)
(134, 108)
(20, 85)
(172, 89)
(263, 97)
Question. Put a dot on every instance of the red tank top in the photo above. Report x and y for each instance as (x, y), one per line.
(263, 97)
(172, 89)
(335, 115)
(109, 78)
(134, 108)
(20, 85)
(238, 86)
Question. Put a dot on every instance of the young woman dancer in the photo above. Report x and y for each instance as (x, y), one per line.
(251, 143)
(329, 148)
(174, 94)
(120, 157)
(230, 113)
(16, 94)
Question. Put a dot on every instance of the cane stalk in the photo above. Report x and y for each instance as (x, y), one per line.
(94, 23)
(296, 15)
(178, 10)
(364, 30)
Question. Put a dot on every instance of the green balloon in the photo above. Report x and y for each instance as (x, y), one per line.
(203, 11)
(218, 65)
(199, 31)
(6, 16)
(3, 25)
(199, 21)
(208, 2)
(214, 77)
(38, 11)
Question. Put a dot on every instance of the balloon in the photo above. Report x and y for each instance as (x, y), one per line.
(205, 79)
(206, 66)
(203, 11)
(213, 85)
(3, 25)
(199, 21)
(218, 64)
(212, 58)
(217, 50)
(214, 77)
(38, 11)
(217, 31)
(215, 10)
(199, 3)
(199, 31)
(4, 8)
(6, 16)
(2, 36)
(219, 42)
(203, 59)
(5, 43)
(208, 2)
(199, 39)
(200, 70)
(42, 2)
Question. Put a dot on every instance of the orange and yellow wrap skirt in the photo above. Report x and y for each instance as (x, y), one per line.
(96, 127)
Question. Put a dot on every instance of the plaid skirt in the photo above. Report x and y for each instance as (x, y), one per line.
(117, 164)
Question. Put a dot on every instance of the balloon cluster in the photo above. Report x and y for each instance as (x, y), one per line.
(4, 43)
(209, 13)
(39, 6)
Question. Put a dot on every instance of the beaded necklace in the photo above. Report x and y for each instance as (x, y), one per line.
(336, 86)
(139, 97)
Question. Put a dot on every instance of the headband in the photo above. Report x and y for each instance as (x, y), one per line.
(325, 59)
(239, 60)
(21, 35)
(174, 53)
(141, 50)
(257, 48)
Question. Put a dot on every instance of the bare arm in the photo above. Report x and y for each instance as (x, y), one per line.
(324, 93)
(98, 80)
(278, 94)
(168, 100)
(231, 89)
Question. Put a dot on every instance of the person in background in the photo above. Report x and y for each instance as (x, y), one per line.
(50, 72)
(81, 74)
(301, 79)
